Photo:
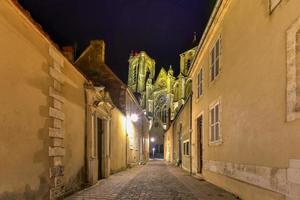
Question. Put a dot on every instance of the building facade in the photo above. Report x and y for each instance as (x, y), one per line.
(245, 116)
(61, 128)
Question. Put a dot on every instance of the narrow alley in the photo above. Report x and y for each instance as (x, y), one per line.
(156, 180)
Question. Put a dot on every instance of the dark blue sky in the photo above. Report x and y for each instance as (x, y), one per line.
(162, 28)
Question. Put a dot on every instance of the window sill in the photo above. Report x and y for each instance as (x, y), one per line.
(212, 82)
(199, 98)
(216, 143)
(293, 116)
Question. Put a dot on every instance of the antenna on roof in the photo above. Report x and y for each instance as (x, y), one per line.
(195, 37)
(75, 50)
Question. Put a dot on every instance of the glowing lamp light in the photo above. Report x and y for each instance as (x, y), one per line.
(152, 139)
(134, 117)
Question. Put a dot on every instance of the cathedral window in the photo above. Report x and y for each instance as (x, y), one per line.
(293, 71)
(134, 73)
(188, 64)
(200, 83)
(164, 115)
(215, 60)
(214, 121)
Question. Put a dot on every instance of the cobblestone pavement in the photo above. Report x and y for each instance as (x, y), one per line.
(156, 180)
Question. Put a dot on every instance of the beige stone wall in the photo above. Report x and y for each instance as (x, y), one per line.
(118, 141)
(258, 143)
(24, 121)
(168, 144)
(42, 114)
(74, 110)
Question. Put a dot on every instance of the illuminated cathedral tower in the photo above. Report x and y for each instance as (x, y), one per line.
(141, 72)
(162, 97)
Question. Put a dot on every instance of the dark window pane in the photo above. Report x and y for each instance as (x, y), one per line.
(212, 72)
(217, 66)
(217, 113)
(218, 48)
(212, 117)
(212, 135)
(217, 131)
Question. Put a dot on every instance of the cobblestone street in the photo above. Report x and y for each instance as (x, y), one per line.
(156, 180)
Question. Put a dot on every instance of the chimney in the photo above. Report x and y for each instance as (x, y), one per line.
(99, 47)
(68, 52)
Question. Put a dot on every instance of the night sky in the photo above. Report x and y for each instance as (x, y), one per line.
(162, 28)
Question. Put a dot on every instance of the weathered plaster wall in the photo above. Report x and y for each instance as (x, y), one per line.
(168, 144)
(36, 98)
(74, 141)
(24, 121)
(118, 141)
(252, 89)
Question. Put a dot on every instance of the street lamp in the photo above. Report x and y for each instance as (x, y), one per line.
(134, 117)
(153, 150)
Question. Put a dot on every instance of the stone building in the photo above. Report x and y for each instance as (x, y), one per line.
(62, 127)
(245, 131)
(180, 138)
(161, 97)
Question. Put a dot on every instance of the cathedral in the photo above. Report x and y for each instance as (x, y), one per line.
(160, 97)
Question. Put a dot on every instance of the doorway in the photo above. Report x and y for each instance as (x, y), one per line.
(180, 145)
(100, 134)
(199, 144)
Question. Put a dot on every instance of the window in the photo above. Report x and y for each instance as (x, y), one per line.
(215, 123)
(215, 60)
(134, 74)
(186, 148)
(164, 118)
(200, 83)
(188, 64)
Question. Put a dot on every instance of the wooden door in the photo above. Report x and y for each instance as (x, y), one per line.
(199, 145)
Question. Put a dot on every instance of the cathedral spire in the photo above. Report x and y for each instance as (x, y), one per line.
(170, 71)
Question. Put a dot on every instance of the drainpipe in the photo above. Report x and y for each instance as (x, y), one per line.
(190, 99)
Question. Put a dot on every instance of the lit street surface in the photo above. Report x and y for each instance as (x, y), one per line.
(156, 180)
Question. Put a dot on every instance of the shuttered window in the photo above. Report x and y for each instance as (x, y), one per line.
(200, 83)
(215, 60)
(215, 123)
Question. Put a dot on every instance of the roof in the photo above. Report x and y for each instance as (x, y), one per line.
(39, 29)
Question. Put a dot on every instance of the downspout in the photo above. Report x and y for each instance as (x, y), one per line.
(190, 130)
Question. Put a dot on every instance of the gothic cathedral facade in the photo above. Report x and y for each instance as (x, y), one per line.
(160, 97)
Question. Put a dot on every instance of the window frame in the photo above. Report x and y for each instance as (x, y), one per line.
(186, 148)
(214, 124)
(200, 83)
(215, 60)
